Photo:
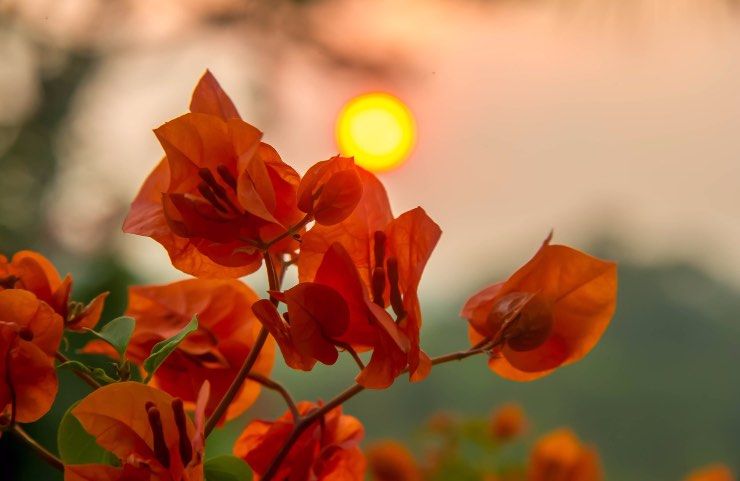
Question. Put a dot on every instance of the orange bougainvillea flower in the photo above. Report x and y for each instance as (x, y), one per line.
(318, 315)
(146, 429)
(391, 461)
(326, 451)
(389, 255)
(218, 194)
(549, 313)
(714, 472)
(561, 456)
(30, 333)
(330, 190)
(33, 272)
(334, 311)
(508, 422)
(227, 330)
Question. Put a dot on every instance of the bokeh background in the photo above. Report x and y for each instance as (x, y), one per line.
(615, 122)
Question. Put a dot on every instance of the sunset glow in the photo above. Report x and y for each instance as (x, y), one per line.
(377, 129)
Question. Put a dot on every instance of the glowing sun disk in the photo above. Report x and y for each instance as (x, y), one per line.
(377, 129)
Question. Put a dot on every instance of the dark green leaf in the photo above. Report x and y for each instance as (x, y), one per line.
(162, 349)
(117, 333)
(77, 446)
(227, 468)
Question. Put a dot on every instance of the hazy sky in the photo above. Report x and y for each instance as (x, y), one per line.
(616, 118)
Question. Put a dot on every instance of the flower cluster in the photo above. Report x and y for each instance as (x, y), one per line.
(223, 203)
(488, 449)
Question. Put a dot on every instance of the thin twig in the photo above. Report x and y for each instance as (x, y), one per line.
(347, 394)
(236, 385)
(457, 356)
(82, 375)
(241, 376)
(352, 353)
(45, 454)
(280, 389)
(304, 424)
(290, 232)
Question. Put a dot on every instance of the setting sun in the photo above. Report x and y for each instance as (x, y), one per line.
(377, 129)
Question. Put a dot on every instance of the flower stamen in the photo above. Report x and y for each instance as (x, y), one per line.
(396, 298)
(378, 275)
(208, 194)
(226, 176)
(217, 189)
(161, 453)
(186, 449)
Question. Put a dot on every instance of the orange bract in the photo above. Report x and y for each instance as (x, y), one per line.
(330, 190)
(146, 429)
(508, 422)
(219, 192)
(561, 456)
(387, 256)
(35, 273)
(332, 311)
(714, 472)
(30, 333)
(318, 314)
(549, 313)
(391, 461)
(326, 451)
(227, 330)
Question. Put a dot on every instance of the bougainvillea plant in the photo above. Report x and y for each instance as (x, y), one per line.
(193, 354)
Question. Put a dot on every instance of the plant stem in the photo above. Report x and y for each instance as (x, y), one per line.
(249, 362)
(291, 231)
(347, 394)
(280, 389)
(458, 356)
(354, 355)
(306, 422)
(241, 376)
(45, 454)
(82, 375)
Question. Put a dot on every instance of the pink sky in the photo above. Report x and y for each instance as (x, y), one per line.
(594, 120)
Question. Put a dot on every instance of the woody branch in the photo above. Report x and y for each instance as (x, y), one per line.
(274, 282)
(301, 424)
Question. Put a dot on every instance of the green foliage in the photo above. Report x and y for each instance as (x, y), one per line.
(77, 446)
(227, 468)
(117, 333)
(163, 349)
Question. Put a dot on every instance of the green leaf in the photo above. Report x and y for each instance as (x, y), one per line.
(227, 468)
(162, 349)
(77, 446)
(117, 333)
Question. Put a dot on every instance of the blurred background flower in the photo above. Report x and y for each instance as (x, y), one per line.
(612, 121)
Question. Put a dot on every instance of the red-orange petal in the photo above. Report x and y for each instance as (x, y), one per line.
(318, 315)
(280, 330)
(338, 271)
(355, 233)
(31, 374)
(37, 274)
(90, 315)
(330, 190)
(210, 98)
(116, 416)
(579, 289)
